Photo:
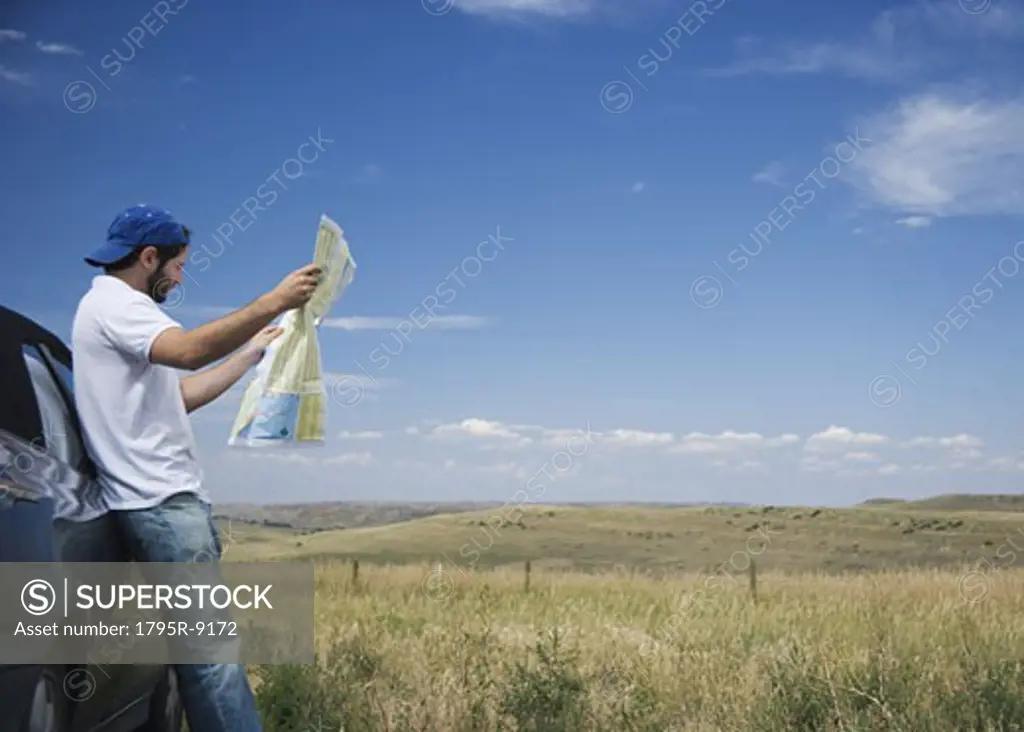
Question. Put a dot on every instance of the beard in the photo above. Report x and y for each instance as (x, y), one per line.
(159, 285)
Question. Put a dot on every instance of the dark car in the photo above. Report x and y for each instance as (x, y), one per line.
(47, 488)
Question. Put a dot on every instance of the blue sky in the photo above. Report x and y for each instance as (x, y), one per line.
(755, 252)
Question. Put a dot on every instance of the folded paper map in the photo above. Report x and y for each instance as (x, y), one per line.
(285, 403)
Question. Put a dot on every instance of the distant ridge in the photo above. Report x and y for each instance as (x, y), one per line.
(327, 515)
(957, 502)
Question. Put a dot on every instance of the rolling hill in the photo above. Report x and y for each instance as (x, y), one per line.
(659, 540)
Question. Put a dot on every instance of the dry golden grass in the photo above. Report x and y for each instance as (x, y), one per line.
(411, 648)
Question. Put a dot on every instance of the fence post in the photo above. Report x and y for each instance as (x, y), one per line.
(355, 573)
(753, 580)
(527, 584)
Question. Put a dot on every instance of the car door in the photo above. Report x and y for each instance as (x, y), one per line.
(62, 478)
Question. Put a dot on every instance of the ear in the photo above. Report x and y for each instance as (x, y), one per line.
(149, 258)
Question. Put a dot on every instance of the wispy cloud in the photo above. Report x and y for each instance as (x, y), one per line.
(901, 42)
(638, 187)
(369, 173)
(770, 174)
(350, 458)
(915, 222)
(16, 77)
(285, 455)
(861, 457)
(938, 155)
(868, 61)
(509, 9)
(58, 49)
(363, 435)
(436, 322)
(9, 35)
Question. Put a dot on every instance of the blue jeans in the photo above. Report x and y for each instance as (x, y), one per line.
(216, 697)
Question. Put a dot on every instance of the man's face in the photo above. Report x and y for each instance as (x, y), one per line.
(161, 281)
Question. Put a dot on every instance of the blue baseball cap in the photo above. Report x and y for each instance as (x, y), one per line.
(139, 226)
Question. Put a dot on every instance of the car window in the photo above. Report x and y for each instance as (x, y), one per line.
(62, 438)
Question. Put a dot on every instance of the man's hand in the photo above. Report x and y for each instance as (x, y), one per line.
(297, 288)
(253, 351)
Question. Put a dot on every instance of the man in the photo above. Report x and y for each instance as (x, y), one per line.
(133, 407)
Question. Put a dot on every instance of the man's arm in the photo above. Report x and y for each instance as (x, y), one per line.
(197, 348)
(202, 388)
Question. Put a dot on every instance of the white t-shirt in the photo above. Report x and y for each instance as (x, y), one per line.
(133, 415)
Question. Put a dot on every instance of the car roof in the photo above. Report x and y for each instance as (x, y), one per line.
(19, 412)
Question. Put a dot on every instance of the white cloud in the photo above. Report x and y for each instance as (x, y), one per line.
(635, 437)
(729, 441)
(840, 438)
(8, 34)
(474, 427)
(496, 435)
(427, 322)
(963, 446)
(16, 77)
(58, 49)
(477, 456)
(861, 457)
(830, 451)
(770, 174)
(522, 434)
(350, 458)
(559, 437)
(915, 222)
(960, 441)
(935, 155)
(364, 435)
(638, 186)
(834, 450)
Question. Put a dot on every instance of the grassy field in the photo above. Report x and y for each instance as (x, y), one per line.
(875, 618)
